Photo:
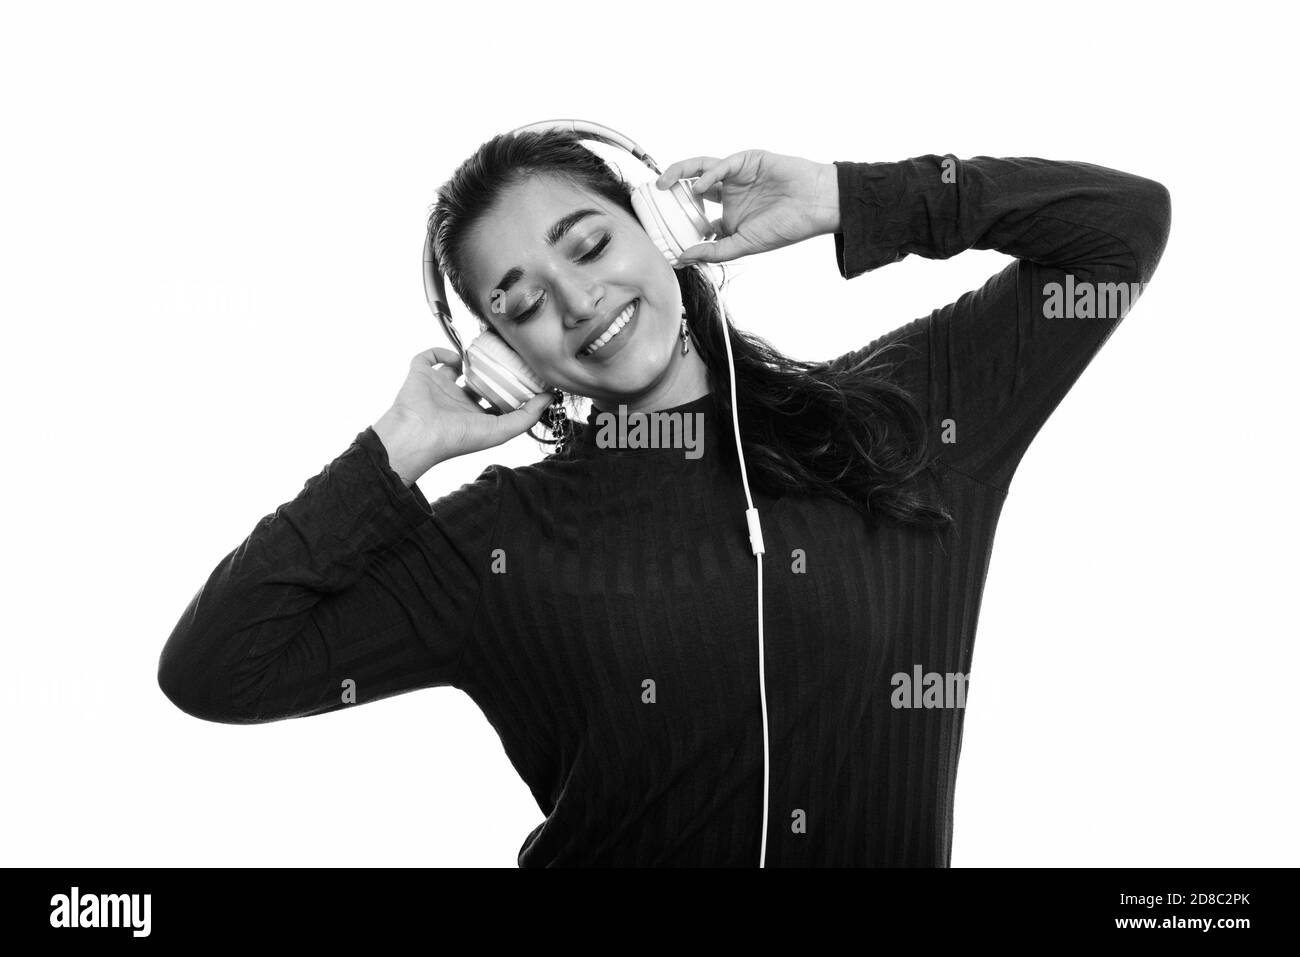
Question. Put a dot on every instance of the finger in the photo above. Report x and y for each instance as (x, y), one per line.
(717, 172)
(692, 254)
(684, 169)
(724, 250)
(438, 354)
(523, 418)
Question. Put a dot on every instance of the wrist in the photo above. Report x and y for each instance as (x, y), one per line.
(408, 455)
(826, 207)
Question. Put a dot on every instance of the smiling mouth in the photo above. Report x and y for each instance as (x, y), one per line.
(615, 328)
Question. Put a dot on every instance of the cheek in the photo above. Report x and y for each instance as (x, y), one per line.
(547, 345)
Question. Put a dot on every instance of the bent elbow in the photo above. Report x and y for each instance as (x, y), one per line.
(1154, 211)
(179, 687)
(196, 689)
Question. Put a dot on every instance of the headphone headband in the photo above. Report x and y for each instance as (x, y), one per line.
(592, 131)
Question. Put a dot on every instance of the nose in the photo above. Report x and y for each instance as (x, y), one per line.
(580, 296)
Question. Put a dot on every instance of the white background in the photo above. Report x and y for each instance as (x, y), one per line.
(211, 225)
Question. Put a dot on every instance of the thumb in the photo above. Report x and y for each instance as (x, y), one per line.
(725, 249)
(697, 253)
(527, 415)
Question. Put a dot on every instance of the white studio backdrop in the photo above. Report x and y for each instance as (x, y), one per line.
(212, 217)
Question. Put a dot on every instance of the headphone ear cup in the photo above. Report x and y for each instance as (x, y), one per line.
(497, 373)
(674, 218)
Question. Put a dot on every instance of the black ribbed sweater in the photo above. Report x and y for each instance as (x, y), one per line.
(551, 593)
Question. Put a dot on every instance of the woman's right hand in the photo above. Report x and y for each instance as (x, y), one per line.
(433, 419)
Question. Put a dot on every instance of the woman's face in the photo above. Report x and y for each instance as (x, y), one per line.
(559, 299)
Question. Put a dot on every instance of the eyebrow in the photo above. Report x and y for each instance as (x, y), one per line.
(553, 236)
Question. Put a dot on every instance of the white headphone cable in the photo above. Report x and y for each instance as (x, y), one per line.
(756, 545)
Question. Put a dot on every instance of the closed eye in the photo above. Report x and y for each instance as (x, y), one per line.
(597, 251)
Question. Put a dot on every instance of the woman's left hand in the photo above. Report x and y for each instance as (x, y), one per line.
(768, 201)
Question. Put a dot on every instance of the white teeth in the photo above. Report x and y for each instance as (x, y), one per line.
(615, 328)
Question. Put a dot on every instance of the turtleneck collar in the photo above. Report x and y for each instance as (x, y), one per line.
(689, 431)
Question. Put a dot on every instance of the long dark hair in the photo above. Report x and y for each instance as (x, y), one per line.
(849, 433)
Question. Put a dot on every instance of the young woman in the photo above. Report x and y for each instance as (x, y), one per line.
(599, 606)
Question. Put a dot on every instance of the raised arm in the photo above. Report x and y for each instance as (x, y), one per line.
(356, 590)
(991, 367)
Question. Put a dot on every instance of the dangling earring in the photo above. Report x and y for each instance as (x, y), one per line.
(686, 336)
(557, 420)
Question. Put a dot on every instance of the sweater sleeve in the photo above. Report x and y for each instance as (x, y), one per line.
(356, 590)
(990, 368)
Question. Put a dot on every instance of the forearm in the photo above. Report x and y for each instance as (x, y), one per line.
(1067, 215)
